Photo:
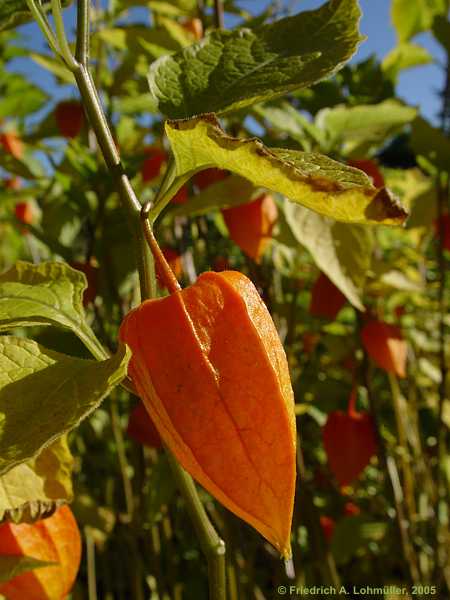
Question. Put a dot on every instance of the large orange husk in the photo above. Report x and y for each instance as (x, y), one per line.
(211, 370)
(56, 539)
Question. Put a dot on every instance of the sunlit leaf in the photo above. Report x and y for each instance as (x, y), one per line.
(56, 392)
(319, 183)
(340, 250)
(410, 17)
(405, 56)
(358, 127)
(50, 293)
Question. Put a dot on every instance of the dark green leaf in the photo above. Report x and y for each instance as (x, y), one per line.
(353, 533)
(229, 70)
(441, 30)
(431, 143)
(15, 12)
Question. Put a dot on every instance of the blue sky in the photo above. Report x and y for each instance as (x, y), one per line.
(417, 86)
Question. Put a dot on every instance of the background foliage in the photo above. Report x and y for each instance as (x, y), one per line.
(312, 115)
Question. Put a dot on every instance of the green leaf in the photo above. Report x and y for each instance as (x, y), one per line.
(46, 294)
(229, 70)
(405, 56)
(355, 127)
(417, 192)
(134, 37)
(28, 167)
(56, 393)
(317, 182)
(138, 103)
(410, 17)
(231, 191)
(353, 533)
(55, 66)
(441, 31)
(33, 489)
(432, 143)
(342, 251)
(160, 489)
(19, 97)
(15, 12)
(12, 566)
(286, 119)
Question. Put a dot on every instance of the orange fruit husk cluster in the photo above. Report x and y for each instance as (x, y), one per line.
(24, 212)
(385, 345)
(250, 225)
(69, 117)
(142, 429)
(55, 539)
(154, 159)
(350, 442)
(210, 368)
(194, 26)
(326, 299)
(207, 177)
(91, 270)
(12, 144)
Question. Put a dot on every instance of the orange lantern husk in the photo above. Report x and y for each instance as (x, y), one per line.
(210, 368)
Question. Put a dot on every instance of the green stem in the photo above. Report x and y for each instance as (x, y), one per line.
(64, 48)
(218, 14)
(122, 458)
(319, 546)
(401, 417)
(44, 26)
(90, 558)
(395, 489)
(442, 534)
(82, 44)
(212, 545)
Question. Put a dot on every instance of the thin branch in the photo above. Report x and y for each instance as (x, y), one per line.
(44, 25)
(64, 48)
(82, 45)
(164, 270)
(218, 14)
(212, 545)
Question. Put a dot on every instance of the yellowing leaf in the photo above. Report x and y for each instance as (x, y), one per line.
(33, 489)
(319, 183)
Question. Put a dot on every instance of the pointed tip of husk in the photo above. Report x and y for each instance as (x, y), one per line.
(289, 567)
